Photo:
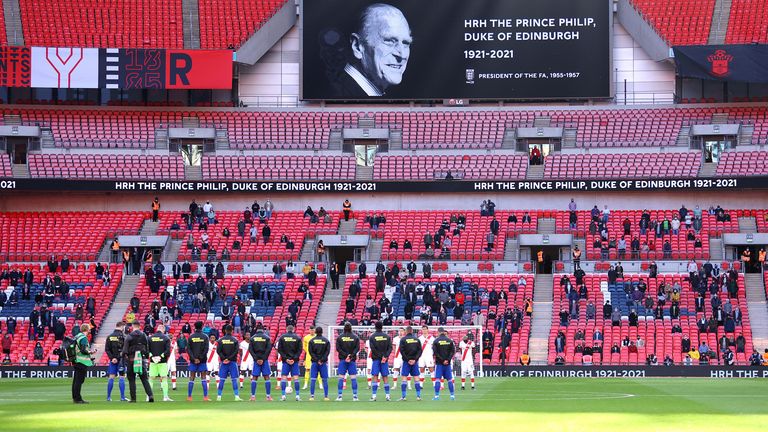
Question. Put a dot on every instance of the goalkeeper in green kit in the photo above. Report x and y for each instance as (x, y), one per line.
(159, 352)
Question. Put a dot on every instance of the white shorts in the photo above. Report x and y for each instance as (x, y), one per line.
(397, 363)
(212, 367)
(467, 368)
(368, 364)
(246, 365)
(427, 362)
(171, 364)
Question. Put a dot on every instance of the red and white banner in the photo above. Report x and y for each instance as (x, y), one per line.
(65, 67)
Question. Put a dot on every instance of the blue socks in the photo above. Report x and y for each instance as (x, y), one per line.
(403, 386)
(121, 385)
(283, 385)
(205, 388)
(386, 389)
(268, 386)
(418, 388)
(354, 387)
(190, 387)
(110, 386)
(253, 388)
(451, 387)
(375, 387)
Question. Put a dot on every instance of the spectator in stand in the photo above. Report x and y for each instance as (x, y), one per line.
(266, 231)
(526, 218)
(347, 209)
(320, 250)
(268, 208)
(407, 245)
(675, 225)
(535, 156)
(627, 224)
(393, 244)
(155, 209)
(494, 226)
(490, 238)
(667, 249)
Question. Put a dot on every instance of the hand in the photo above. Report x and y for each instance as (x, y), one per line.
(225, 361)
(290, 361)
(349, 358)
(384, 359)
(259, 362)
(156, 359)
(114, 361)
(411, 362)
(446, 362)
(197, 361)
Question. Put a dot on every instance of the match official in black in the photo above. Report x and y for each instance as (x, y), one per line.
(135, 351)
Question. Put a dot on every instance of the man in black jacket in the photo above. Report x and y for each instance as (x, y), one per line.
(381, 348)
(444, 349)
(114, 349)
(410, 351)
(289, 347)
(319, 350)
(159, 353)
(135, 350)
(347, 345)
(227, 348)
(198, 354)
(260, 347)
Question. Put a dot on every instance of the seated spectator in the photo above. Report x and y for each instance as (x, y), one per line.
(393, 244)
(407, 245)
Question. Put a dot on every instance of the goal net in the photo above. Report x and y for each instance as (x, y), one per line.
(456, 333)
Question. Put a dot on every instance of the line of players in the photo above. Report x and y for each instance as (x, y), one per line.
(413, 358)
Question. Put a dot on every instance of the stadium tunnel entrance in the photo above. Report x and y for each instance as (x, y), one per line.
(342, 255)
(543, 258)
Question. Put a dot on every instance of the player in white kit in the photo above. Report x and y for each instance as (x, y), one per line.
(466, 351)
(427, 359)
(246, 361)
(212, 362)
(397, 363)
(172, 361)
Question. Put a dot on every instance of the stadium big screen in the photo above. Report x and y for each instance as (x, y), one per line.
(443, 49)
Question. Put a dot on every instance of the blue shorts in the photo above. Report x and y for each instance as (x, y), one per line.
(116, 368)
(409, 370)
(346, 367)
(318, 369)
(263, 370)
(229, 370)
(443, 371)
(198, 368)
(292, 370)
(377, 367)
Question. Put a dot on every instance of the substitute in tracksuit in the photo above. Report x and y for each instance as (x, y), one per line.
(260, 346)
(410, 351)
(114, 348)
(227, 348)
(347, 345)
(444, 349)
(289, 348)
(198, 354)
(319, 350)
(381, 349)
(135, 351)
(159, 352)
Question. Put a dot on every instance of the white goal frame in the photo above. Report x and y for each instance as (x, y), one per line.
(334, 330)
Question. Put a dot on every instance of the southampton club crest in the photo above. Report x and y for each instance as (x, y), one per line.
(720, 61)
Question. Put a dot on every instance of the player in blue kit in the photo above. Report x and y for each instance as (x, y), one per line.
(381, 348)
(347, 345)
(444, 349)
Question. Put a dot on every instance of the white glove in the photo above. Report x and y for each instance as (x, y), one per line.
(156, 359)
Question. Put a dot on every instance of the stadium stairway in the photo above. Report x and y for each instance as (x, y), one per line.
(14, 30)
(191, 17)
(116, 313)
(375, 246)
(716, 252)
(535, 172)
(307, 250)
(747, 225)
(193, 172)
(511, 249)
(20, 170)
(347, 227)
(708, 169)
(149, 228)
(171, 253)
(758, 309)
(546, 226)
(329, 307)
(720, 18)
(541, 320)
(364, 173)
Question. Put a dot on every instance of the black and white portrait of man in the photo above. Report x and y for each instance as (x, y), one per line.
(379, 48)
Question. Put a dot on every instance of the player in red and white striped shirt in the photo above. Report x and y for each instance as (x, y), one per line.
(466, 351)
(212, 362)
(427, 359)
(246, 361)
(397, 363)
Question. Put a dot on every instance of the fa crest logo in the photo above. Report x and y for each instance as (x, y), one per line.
(470, 76)
(720, 60)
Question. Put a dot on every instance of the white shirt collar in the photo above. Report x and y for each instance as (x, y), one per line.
(362, 81)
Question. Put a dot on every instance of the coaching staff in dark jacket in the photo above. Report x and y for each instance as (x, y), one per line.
(135, 350)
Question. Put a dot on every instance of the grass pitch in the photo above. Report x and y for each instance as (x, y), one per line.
(498, 404)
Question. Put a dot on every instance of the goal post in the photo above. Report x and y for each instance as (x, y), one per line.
(455, 332)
